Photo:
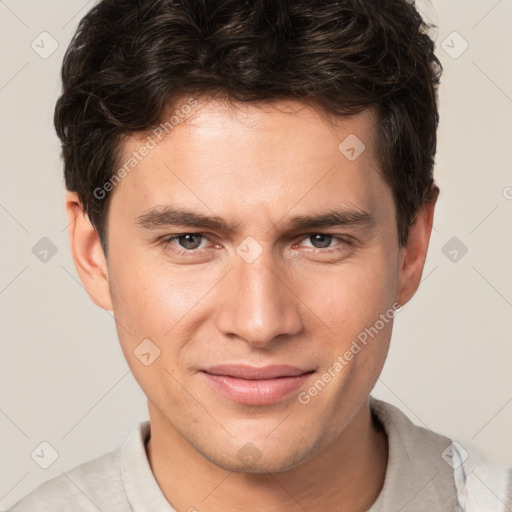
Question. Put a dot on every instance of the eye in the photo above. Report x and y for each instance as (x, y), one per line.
(320, 241)
(196, 244)
(323, 241)
(189, 240)
(184, 242)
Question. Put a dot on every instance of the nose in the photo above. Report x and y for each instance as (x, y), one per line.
(258, 303)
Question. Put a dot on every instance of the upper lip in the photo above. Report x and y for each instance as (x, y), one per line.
(256, 372)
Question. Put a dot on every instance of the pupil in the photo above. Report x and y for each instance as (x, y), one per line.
(323, 239)
(186, 243)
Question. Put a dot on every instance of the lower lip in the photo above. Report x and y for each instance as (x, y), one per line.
(256, 392)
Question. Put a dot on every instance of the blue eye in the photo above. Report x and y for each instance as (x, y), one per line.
(323, 240)
(188, 240)
(189, 243)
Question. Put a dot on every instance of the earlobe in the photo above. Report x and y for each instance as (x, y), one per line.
(414, 253)
(87, 253)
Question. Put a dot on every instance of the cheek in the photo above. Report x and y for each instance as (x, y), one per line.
(150, 309)
(167, 306)
(152, 297)
(347, 297)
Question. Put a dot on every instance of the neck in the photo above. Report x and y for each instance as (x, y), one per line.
(347, 476)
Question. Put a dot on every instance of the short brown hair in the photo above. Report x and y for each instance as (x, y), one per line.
(131, 59)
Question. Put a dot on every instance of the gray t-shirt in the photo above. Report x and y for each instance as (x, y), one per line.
(426, 472)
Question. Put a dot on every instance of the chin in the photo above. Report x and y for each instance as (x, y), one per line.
(266, 459)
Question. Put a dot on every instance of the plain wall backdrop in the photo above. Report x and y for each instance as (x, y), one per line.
(63, 378)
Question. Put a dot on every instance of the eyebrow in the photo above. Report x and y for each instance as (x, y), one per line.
(170, 216)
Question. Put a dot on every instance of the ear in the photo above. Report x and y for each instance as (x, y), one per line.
(87, 253)
(414, 253)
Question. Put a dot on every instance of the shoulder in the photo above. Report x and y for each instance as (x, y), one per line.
(429, 471)
(80, 489)
(411, 438)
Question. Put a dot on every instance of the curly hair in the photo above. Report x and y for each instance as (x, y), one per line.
(130, 60)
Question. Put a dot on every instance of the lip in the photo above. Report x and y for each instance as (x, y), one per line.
(256, 385)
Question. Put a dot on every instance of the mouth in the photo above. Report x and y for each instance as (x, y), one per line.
(256, 385)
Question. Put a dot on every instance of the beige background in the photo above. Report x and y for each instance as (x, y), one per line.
(63, 378)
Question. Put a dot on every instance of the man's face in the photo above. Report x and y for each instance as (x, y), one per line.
(270, 291)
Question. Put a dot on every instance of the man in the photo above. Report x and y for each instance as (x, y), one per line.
(250, 191)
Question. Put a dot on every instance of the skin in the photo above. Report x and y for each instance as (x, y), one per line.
(294, 304)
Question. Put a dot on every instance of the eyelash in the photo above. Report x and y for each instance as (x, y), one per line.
(167, 241)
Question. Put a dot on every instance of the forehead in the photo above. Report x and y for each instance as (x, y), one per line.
(250, 157)
(280, 124)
